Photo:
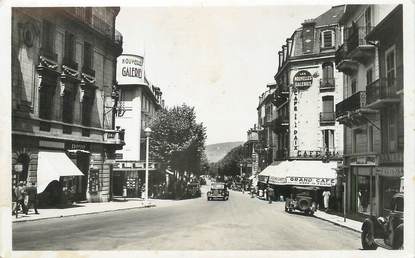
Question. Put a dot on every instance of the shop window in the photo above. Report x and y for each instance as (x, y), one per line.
(93, 180)
(365, 199)
(23, 160)
(327, 39)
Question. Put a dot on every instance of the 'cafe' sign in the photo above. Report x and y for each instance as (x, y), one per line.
(303, 79)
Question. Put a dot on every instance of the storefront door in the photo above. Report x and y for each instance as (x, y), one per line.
(82, 162)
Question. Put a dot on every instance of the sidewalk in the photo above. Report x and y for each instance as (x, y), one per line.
(91, 208)
(337, 220)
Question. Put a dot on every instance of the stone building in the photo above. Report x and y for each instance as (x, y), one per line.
(371, 59)
(63, 73)
(306, 139)
(139, 101)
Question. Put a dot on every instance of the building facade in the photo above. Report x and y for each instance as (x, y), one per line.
(138, 102)
(63, 72)
(302, 114)
(371, 59)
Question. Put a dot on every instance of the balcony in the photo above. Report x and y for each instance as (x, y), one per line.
(84, 15)
(327, 84)
(69, 62)
(351, 111)
(115, 137)
(358, 48)
(352, 103)
(88, 70)
(355, 49)
(327, 118)
(343, 63)
(383, 92)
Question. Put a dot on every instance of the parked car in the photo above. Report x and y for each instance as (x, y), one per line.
(385, 232)
(303, 199)
(218, 191)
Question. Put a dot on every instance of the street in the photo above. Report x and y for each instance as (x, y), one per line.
(241, 223)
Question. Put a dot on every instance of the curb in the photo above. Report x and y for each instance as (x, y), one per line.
(88, 213)
(338, 224)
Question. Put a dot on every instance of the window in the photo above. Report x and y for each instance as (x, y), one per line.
(48, 36)
(369, 76)
(368, 19)
(67, 110)
(354, 141)
(327, 80)
(328, 140)
(328, 109)
(69, 47)
(327, 39)
(370, 138)
(392, 129)
(390, 66)
(87, 55)
(86, 108)
(353, 86)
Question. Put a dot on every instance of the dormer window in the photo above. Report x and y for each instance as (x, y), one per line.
(327, 39)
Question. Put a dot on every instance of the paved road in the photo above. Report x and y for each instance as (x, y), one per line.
(241, 223)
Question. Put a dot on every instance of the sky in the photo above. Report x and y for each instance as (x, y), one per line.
(217, 59)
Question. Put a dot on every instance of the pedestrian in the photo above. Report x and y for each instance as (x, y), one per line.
(326, 198)
(270, 194)
(20, 196)
(32, 194)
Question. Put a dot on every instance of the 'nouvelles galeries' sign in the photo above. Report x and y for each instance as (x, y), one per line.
(303, 79)
(130, 69)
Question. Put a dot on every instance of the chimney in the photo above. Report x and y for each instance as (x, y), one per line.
(284, 49)
(290, 46)
(280, 58)
(308, 36)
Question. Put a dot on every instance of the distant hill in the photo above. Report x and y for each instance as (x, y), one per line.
(215, 152)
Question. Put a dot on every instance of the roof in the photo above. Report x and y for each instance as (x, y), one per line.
(332, 16)
(391, 23)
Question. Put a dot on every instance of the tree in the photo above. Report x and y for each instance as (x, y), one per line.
(229, 165)
(178, 141)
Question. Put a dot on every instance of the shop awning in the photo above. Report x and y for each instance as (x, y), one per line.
(300, 172)
(51, 166)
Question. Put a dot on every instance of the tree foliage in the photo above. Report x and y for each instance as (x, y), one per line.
(178, 140)
(229, 165)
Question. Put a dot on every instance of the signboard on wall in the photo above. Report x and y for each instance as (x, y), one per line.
(303, 79)
(130, 70)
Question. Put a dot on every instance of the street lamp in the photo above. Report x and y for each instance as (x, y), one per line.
(147, 133)
(240, 166)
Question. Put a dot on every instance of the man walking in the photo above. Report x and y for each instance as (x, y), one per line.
(20, 196)
(326, 198)
(32, 193)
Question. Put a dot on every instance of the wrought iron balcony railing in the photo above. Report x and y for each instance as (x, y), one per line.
(352, 103)
(356, 36)
(327, 117)
(327, 84)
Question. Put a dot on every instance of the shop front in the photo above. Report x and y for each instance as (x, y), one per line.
(282, 176)
(128, 179)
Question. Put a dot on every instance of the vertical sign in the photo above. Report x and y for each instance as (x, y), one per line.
(295, 120)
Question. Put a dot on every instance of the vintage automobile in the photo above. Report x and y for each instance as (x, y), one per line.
(218, 191)
(193, 190)
(303, 198)
(385, 232)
